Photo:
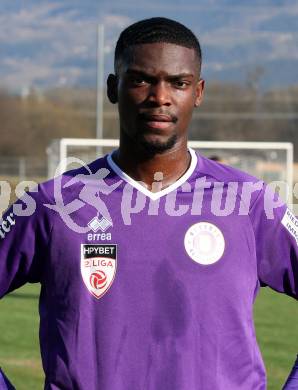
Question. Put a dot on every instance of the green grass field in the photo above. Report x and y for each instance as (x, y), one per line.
(276, 318)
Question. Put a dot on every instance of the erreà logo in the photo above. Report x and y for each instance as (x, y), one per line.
(98, 267)
(6, 224)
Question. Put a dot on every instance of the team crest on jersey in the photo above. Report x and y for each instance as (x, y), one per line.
(98, 267)
(204, 243)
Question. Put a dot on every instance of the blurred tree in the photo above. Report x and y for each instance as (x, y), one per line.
(229, 112)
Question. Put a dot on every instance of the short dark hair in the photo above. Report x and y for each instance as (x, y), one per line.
(156, 30)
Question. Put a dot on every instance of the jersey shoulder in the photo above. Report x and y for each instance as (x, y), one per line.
(220, 172)
(247, 188)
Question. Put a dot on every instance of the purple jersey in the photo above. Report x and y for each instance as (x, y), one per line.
(150, 291)
(292, 381)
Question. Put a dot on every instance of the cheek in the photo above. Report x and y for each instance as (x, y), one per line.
(127, 105)
(186, 108)
(132, 96)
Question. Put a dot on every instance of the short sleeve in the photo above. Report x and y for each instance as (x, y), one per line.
(276, 236)
(24, 236)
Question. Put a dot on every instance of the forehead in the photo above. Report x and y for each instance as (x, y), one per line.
(157, 58)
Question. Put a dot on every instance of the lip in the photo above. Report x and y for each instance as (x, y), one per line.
(158, 124)
(158, 118)
(157, 121)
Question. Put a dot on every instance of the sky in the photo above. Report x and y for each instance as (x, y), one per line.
(49, 44)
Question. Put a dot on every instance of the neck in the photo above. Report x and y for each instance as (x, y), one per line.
(166, 167)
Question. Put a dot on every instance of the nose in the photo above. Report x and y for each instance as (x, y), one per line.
(159, 94)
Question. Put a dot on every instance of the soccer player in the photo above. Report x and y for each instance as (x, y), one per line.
(153, 286)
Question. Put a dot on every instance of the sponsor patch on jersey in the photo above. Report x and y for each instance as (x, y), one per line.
(99, 236)
(204, 243)
(6, 225)
(99, 224)
(98, 267)
(290, 222)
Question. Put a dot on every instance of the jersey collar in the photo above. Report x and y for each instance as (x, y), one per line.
(155, 195)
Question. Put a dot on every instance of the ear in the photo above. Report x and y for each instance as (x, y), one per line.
(199, 92)
(112, 88)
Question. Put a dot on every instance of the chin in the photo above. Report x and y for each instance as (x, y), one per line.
(156, 146)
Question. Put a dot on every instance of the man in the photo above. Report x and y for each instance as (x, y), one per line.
(155, 290)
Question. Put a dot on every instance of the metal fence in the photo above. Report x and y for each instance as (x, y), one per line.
(22, 168)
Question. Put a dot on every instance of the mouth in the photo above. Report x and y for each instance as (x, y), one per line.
(160, 121)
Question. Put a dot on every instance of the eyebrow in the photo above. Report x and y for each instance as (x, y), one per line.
(147, 75)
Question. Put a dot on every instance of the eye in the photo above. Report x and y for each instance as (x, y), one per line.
(137, 80)
(181, 84)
